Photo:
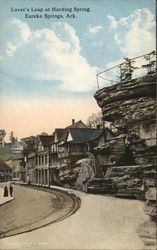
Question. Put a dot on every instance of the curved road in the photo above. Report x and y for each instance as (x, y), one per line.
(33, 208)
(101, 223)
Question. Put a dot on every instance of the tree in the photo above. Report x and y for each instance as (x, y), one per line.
(126, 69)
(11, 137)
(2, 133)
(95, 120)
(150, 58)
(44, 133)
(30, 145)
(29, 148)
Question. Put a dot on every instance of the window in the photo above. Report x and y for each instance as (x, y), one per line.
(39, 160)
(45, 159)
(42, 159)
(50, 159)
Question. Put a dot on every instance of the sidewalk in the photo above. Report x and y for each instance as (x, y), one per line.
(4, 200)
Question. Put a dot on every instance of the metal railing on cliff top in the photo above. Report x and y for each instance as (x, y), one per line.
(127, 70)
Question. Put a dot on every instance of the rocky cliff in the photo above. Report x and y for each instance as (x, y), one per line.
(128, 102)
(130, 108)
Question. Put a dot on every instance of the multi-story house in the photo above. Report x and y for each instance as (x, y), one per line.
(39, 163)
(60, 138)
(65, 146)
(42, 166)
(80, 142)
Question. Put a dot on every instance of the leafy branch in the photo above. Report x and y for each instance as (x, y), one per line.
(150, 58)
(127, 68)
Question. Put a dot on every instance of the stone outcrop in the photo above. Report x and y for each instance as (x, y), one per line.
(112, 153)
(128, 102)
(67, 175)
(125, 164)
(129, 159)
(82, 177)
(77, 177)
(85, 173)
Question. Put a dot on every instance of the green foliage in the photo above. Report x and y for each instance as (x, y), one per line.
(94, 120)
(2, 133)
(127, 68)
(12, 138)
(29, 148)
(30, 145)
(151, 59)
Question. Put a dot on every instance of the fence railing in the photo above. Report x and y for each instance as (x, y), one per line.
(131, 68)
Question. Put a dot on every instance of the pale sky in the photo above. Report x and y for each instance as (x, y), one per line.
(48, 66)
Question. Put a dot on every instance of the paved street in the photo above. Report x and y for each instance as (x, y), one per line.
(101, 223)
(33, 208)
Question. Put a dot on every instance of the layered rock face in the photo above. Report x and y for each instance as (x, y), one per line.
(78, 175)
(130, 108)
(128, 102)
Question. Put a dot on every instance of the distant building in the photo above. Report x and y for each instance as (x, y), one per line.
(12, 159)
(17, 147)
(5, 172)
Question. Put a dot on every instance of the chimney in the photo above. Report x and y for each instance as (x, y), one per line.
(73, 121)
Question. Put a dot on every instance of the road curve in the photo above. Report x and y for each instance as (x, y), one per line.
(35, 207)
(102, 222)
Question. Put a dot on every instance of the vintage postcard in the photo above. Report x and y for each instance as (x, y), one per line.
(77, 125)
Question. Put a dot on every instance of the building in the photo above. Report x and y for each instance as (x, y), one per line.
(80, 142)
(17, 147)
(43, 164)
(5, 172)
(61, 136)
(13, 160)
(39, 164)
(65, 147)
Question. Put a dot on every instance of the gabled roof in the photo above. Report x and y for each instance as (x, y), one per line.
(96, 134)
(4, 166)
(61, 134)
(80, 136)
(46, 140)
(76, 124)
